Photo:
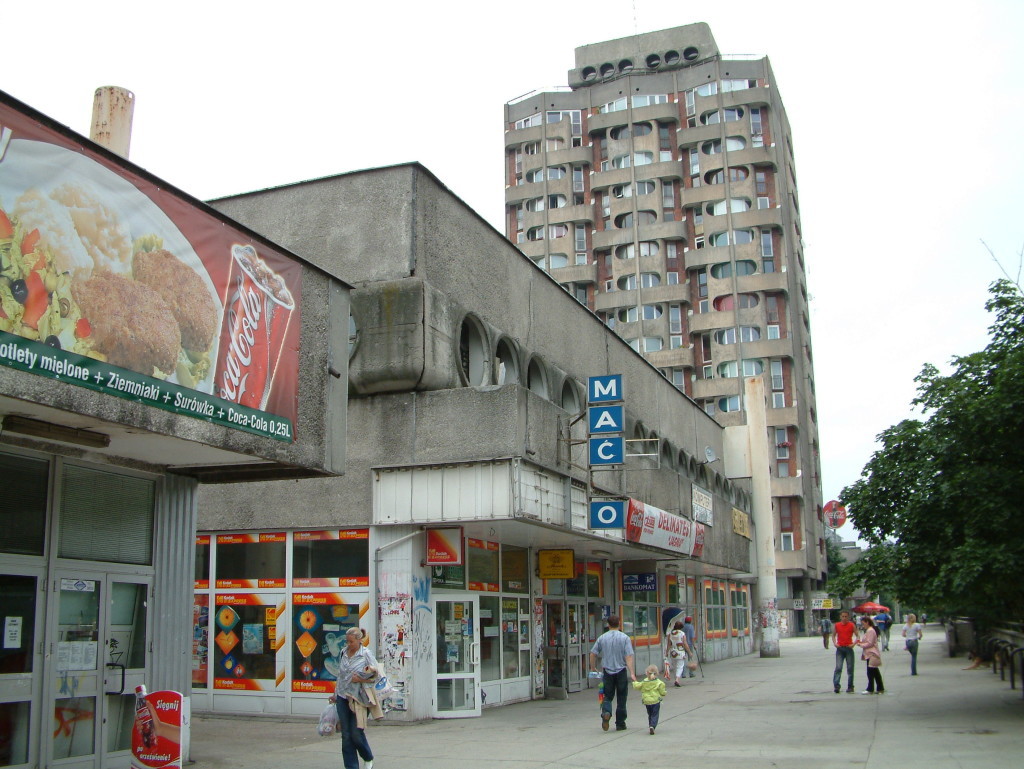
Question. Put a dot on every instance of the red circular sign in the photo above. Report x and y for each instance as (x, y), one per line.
(835, 514)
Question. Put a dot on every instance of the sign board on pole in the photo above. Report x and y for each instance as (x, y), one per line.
(604, 389)
(610, 450)
(444, 546)
(608, 514)
(606, 419)
(835, 514)
(556, 564)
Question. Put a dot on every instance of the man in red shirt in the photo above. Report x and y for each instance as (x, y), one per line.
(844, 635)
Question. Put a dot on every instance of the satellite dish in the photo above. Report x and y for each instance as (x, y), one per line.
(709, 454)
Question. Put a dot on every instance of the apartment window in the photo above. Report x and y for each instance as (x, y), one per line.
(728, 370)
(726, 336)
(694, 162)
(702, 282)
(726, 269)
(702, 306)
(535, 233)
(664, 142)
(763, 202)
(691, 107)
(698, 242)
(609, 285)
(705, 346)
(636, 159)
(672, 278)
(721, 116)
(581, 238)
(579, 291)
(736, 237)
(675, 341)
(776, 372)
(554, 143)
(647, 248)
(729, 403)
(624, 221)
(629, 315)
(761, 182)
(783, 469)
(707, 372)
(749, 333)
(734, 205)
(614, 106)
(530, 121)
(756, 115)
(753, 367)
(737, 85)
(577, 179)
(778, 400)
(709, 408)
(773, 331)
(698, 215)
(781, 443)
(717, 146)
(531, 148)
(675, 319)
(668, 196)
(535, 204)
(581, 257)
(626, 131)
(787, 540)
(678, 378)
(557, 231)
(707, 89)
(647, 100)
(651, 312)
(767, 247)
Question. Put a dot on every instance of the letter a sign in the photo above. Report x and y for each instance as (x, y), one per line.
(605, 419)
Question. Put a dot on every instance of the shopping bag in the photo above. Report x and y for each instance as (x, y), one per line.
(328, 724)
(382, 688)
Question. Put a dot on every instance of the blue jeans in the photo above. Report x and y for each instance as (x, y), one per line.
(616, 685)
(353, 739)
(912, 648)
(843, 654)
(653, 711)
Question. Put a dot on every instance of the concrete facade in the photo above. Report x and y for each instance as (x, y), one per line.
(466, 396)
(659, 189)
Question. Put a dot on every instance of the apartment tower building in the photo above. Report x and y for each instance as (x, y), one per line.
(659, 189)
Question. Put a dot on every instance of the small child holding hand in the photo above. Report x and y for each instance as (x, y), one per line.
(652, 692)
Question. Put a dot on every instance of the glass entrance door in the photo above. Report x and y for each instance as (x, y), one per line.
(21, 612)
(576, 651)
(457, 684)
(97, 657)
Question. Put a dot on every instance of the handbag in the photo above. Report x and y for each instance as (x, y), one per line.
(328, 723)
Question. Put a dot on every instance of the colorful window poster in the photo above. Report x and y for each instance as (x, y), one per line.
(249, 638)
(319, 623)
(251, 560)
(336, 558)
(482, 558)
(96, 236)
(200, 640)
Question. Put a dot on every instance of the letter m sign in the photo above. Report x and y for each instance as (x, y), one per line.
(604, 389)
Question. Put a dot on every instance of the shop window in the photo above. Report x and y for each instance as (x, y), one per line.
(453, 577)
(250, 560)
(23, 504)
(106, 516)
(335, 558)
(200, 636)
(714, 609)
(482, 565)
(740, 610)
(515, 569)
(245, 633)
(319, 624)
(202, 567)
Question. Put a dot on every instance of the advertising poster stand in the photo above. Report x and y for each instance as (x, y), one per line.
(160, 736)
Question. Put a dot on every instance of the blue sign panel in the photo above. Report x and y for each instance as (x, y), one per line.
(604, 389)
(607, 451)
(606, 419)
(609, 514)
(639, 583)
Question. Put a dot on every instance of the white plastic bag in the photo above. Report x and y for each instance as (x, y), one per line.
(382, 688)
(328, 721)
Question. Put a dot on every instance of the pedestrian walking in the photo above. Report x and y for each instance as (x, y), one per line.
(871, 655)
(652, 692)
(691, 633)
(358, 667)
(844, 636)
(615, 651)
(677, 652)
(883, 621)
(913, 632)
(825, 625)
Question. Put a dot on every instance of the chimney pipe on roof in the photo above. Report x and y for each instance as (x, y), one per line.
(112, 110)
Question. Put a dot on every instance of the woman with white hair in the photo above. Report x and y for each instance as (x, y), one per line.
(358, 667)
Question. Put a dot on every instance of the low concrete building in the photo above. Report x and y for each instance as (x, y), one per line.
(467, 480)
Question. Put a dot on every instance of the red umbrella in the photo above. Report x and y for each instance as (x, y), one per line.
(870, 607)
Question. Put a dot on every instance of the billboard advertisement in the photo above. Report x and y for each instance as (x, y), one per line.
(113, 281)
(649, 525)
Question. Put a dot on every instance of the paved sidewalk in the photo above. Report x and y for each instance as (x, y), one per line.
(748, 712)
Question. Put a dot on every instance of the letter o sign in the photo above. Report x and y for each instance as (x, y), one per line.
(608, 514)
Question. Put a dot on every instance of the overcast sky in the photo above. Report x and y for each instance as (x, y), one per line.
(906, 122)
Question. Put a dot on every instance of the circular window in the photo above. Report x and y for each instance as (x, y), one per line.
(671, 57)
(607, 69)
(536, 378)
(625, 65)
(653, 61)
(589, 73)
(506, 363)
(472, 352)
(690, 54)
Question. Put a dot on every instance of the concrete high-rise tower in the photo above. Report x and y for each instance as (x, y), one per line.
(660, 190)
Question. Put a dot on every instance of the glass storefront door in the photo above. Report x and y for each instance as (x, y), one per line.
(576, 650)
(98, 623)
(20, 605)
(457, 683)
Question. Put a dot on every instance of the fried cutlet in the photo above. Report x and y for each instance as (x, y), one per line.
(131, 323)
(185, 293)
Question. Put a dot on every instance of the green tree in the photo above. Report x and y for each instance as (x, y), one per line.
(939, 501)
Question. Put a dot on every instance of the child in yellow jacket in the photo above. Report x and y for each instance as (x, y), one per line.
(652, 692)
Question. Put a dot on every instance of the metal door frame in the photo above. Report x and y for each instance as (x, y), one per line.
(474, 651)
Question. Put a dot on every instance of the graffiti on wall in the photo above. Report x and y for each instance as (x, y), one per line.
(422, 624)
(538, 647)
(395, 619)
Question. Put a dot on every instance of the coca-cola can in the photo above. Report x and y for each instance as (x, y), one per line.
(257, 310)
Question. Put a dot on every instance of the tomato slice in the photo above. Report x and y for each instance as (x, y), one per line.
(6, 228)
(37, 302)
(83, 328)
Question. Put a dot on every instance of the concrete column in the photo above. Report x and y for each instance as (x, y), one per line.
(767, 617)
(112, 111)
(805, 591)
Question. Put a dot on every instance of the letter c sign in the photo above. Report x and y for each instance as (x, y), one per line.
(608, 514)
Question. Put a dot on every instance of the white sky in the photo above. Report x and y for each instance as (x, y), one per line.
(906, 122)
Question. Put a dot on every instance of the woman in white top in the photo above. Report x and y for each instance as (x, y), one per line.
(913, 632)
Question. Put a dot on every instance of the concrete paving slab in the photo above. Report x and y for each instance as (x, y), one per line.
(747, 712)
